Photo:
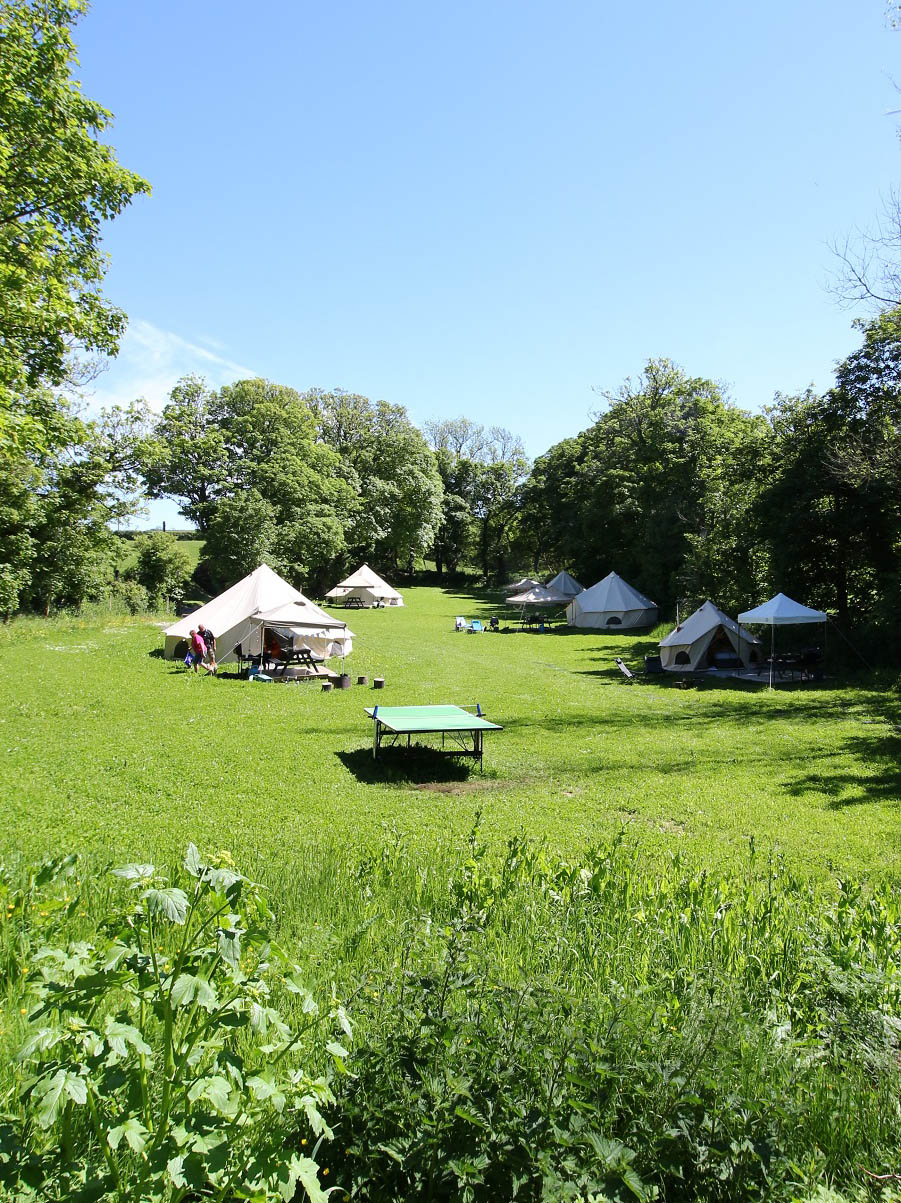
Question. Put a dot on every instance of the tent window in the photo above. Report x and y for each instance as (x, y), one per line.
(613, 621)
(682, 658)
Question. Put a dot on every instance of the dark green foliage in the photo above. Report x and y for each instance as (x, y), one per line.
(567, 1032)
(398, 509)
(163, 1057)
(162, 567)
(658, 490)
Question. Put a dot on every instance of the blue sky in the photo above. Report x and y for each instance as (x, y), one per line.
(493, 208)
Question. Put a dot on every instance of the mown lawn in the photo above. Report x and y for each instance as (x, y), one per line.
(110, 750)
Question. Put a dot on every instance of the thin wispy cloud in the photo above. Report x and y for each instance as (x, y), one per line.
(152, 360)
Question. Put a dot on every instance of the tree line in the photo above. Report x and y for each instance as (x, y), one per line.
(679, 490)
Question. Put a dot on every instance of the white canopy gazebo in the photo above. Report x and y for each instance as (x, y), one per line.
(365, 588)
(781, 611)
(538, 597)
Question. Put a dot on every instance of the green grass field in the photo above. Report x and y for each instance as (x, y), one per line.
(682, 996)
(111, 750)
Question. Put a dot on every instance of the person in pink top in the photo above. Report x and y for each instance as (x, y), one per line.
(198, 649)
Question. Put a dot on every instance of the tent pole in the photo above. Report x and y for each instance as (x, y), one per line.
(772, 652)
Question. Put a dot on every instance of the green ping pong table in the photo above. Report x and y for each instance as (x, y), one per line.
(461, 728)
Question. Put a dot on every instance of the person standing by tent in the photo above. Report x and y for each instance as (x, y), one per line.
(198, 649)
(210, 640)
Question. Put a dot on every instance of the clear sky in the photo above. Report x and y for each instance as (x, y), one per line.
(490, 208)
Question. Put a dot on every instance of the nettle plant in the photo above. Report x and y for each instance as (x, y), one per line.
(166, 1058)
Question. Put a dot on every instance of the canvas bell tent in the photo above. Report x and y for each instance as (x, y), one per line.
(262, 601)
(566, 584)
(611, 603)
(706, 639)
(522, 585)
(367, 587)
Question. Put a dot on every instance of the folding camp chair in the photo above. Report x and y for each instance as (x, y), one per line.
(494, 623)
(460, 623)
(475, 627)
(624, 669)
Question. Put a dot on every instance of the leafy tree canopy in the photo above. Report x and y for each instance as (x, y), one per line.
(58, 183)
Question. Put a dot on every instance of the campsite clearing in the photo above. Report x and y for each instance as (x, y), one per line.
(111, 750)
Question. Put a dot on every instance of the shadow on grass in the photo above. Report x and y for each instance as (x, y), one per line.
(157, 653)
(881, 753)
(416, 765)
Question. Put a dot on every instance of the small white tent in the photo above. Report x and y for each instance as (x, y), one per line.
(538, 595)
(368, 587)
(704, 635)
(611, 603)
(565, 584)
(522, 585)
(237, 617)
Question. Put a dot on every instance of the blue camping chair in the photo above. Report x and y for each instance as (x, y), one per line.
(475, 627)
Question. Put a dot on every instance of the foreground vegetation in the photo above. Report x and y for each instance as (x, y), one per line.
(516, 1026)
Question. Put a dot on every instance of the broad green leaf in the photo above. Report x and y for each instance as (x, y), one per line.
(341, 1016)
(174, 1168)
(470, 1117)
(193, 863)
(216, 1089)
(134, 1132)
(187, 988)
(42, 1039)
(136, 873)
(264, 1089)
(230, 946)
(171, 903)
(336, 1049)
(317, 1123)
(50, 1092)
(305, 1171)
(120, 1035)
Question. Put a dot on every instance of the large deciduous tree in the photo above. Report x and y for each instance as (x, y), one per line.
(58, 183)
(247, 465)
(399, 508)
(482, 469)
(651, 491)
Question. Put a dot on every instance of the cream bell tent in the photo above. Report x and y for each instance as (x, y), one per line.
(566, 584)
(238, 617)
(704, 638)
(611, 603)
(368, 586)
(521, 586)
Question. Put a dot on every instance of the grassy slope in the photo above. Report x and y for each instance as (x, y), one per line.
(109, 749)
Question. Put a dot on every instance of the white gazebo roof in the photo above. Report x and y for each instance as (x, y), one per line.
(782, 611)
